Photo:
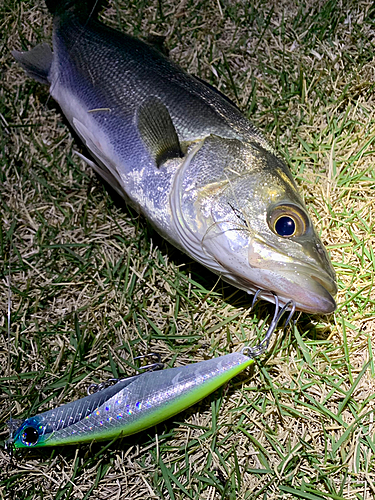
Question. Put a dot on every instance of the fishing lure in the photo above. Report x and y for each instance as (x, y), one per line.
(136, 403)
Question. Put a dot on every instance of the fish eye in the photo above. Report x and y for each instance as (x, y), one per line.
(285, 226)
(30, 436)
(287, 221)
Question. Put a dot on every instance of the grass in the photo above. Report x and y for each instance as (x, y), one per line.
(93, 286)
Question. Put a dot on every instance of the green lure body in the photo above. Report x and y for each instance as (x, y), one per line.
(129, 406)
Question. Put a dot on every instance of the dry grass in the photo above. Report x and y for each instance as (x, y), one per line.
(92, 284)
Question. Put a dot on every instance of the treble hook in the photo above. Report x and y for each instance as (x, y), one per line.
(256, 297)
(263, 345)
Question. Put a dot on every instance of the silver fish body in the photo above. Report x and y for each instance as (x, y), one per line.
(185, 157)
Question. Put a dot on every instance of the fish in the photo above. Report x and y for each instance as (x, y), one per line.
(130, 405)
(185, 157)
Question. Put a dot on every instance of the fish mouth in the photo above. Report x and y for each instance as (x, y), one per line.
(312, 290)
(317, 293)
(308, 279)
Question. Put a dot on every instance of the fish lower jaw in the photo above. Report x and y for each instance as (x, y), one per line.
(309, 293)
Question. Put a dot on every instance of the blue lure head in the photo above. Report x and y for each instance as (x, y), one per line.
(29, 434)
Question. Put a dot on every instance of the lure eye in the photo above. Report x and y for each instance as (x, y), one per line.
(288, 220)
(30, 436)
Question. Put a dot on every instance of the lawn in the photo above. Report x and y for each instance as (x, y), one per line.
(90, 285)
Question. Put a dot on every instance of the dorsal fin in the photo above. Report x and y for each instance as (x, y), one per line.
(158, 43)
(157, 131)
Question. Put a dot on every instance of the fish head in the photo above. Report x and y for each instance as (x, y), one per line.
(238, 212)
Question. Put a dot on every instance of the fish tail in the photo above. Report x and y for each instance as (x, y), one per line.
(79, 7)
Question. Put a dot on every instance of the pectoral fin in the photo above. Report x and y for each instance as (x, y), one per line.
(36, 62)
(157, 131)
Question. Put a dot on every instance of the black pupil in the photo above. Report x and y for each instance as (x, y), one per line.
(30, 436)
(285, 226)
